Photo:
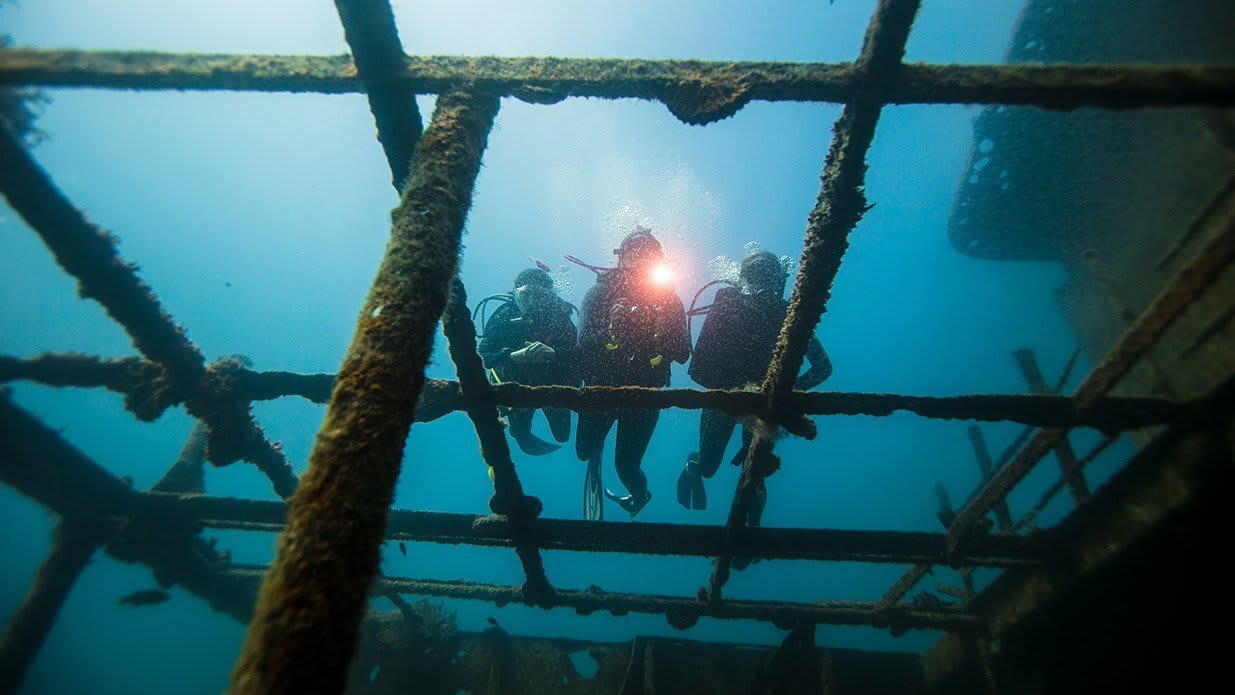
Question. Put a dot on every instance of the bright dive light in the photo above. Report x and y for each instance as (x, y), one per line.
(662, 274)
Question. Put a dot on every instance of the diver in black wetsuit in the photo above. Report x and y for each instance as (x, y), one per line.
(734, 349)
(531, 340)
(632, 326)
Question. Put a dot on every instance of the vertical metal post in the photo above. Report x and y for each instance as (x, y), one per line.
(838, 209)
(306, 626)
(508, 499)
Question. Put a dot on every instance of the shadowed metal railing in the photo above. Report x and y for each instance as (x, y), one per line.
(327, 559)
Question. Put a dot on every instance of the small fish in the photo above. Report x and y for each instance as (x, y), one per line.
(492, 621)
(227, 284)
(402, 549)
(146, 597)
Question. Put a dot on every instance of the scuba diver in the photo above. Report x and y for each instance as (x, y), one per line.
(531, 340)
(734, 349)
(632, 326)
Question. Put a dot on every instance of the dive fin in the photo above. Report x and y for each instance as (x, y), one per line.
(532, 445)
(691, 493)
(593, 503)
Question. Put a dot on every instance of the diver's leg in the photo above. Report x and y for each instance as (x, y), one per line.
(559, 422)
(634, 432)
(740, 457)
(520, 428)
(715, 430)
(591, 432)
(589, 447)
(519, 422)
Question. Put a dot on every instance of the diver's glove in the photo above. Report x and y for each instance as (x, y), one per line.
(533, 353)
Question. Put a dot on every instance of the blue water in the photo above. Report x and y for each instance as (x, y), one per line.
(260, 220)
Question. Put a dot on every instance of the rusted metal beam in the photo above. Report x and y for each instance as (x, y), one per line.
(1188, 465)
(839, 207)
(1162, 380)
(72, 546)
(1003, 516)
(38, 463)
(369, 26)
(1188, 284)
(1029, 521)
(328, 555)
(89, 254)
(1028, 363)
(1216, 202)
(998, 550)
(519, 510)
(682, 612)
(145, 379)
(903, 586)
(722, 87)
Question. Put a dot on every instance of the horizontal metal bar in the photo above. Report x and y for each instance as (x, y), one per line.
(441, 396)
(682, 612)
(695, 90)
(999, 550)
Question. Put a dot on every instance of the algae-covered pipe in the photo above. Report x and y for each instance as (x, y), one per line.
(71, 549)
(838, 209)
(508, 499)
(307, 622)
(369, 26)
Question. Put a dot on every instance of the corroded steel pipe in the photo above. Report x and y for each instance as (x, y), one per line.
(683, 612)
(689, 84)
(369, 26)
(73, 545)
(1187, 285)
(141, 382)
(837, 210)
(837, 545)
(508, 498)
(89, 254)
(306, 625)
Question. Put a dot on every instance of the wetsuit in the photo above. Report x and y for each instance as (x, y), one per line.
(734, 349)
(629, 332)
(507, 331)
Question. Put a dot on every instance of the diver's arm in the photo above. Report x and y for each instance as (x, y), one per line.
(820, 366)
(495, 347)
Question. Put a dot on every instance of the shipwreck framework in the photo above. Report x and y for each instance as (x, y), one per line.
(338, 514)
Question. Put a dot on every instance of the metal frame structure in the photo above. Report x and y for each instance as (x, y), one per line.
(327, 558)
